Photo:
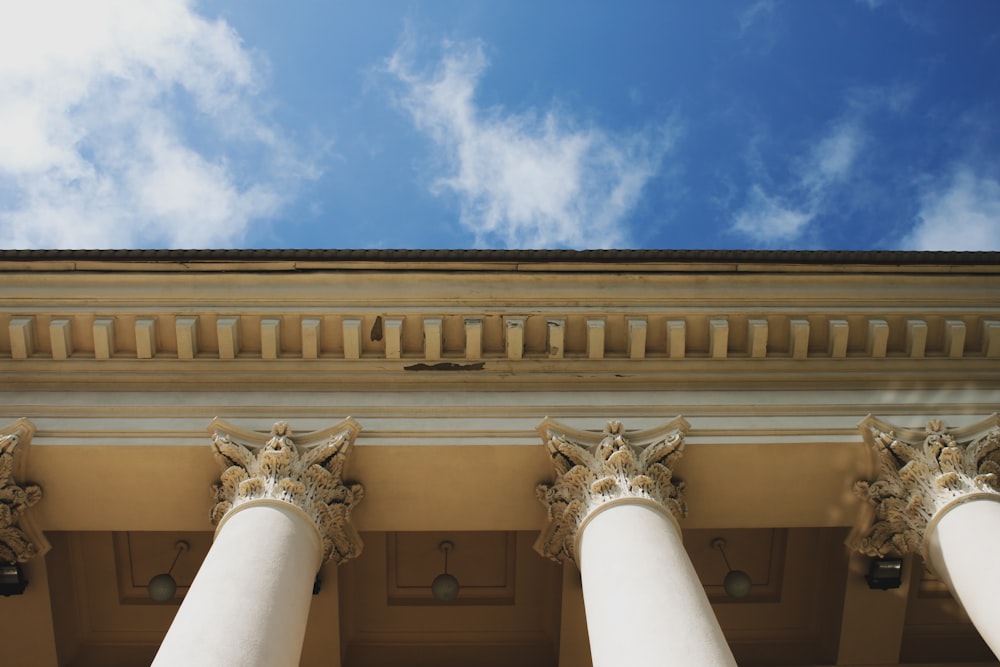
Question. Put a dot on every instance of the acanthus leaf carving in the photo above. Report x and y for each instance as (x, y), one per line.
(593, 470)
(306, 472)
(20, 540)
(920, 473)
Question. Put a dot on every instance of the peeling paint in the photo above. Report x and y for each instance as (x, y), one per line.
(446, 366)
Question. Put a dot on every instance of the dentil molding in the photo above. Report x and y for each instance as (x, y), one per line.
(20, 539)
(306, 473)
(920, 473)
(593, 470)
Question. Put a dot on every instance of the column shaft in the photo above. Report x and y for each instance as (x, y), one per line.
(963, 547)
(249, 603)
(644, 602)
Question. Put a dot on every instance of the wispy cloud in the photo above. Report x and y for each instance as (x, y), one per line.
(824, 177)
(761, 27)
(525, 179)
(959, 213)
(755, 13)
(770, 219)
(123, 124)
(831, 158)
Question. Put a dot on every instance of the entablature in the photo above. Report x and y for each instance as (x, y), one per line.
(289, 319)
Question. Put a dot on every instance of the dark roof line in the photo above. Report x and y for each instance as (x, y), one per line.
(883, 257)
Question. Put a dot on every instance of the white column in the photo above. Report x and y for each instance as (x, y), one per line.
(962, 547)
(282, 510)
(937, 494)
(613, 510)
(249, 603)
(645, 605)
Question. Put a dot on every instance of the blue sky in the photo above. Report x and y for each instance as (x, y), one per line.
(461, 124)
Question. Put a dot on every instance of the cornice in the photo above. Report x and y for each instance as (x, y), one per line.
(401, 288)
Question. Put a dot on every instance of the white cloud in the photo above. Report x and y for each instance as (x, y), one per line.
(526, 179)
(831, 158)
(771, 220)
(960, 214)
(768, 219)
(99, 121)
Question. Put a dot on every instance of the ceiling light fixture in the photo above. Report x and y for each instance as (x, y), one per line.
(885, 573)
(12, 581)
(737, 582)
(162, 587)
(445, 586)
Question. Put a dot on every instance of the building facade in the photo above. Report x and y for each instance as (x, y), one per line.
(588, 442)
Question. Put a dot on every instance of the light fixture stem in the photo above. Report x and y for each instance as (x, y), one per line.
(720, 544)
(446, 547)
(181, 547)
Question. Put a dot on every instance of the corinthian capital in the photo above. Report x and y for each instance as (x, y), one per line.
(594, 470)
(306, 473)
(20, 540)
(921, 473)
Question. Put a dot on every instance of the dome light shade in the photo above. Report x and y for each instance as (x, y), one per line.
(445, 587)
(162, 587)
(737, 584)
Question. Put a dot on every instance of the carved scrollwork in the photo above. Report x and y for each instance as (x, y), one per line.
(919, 474)
(593, 470)
(19, 542)
(308, 475)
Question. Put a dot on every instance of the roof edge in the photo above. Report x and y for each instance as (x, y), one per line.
(870, 257)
